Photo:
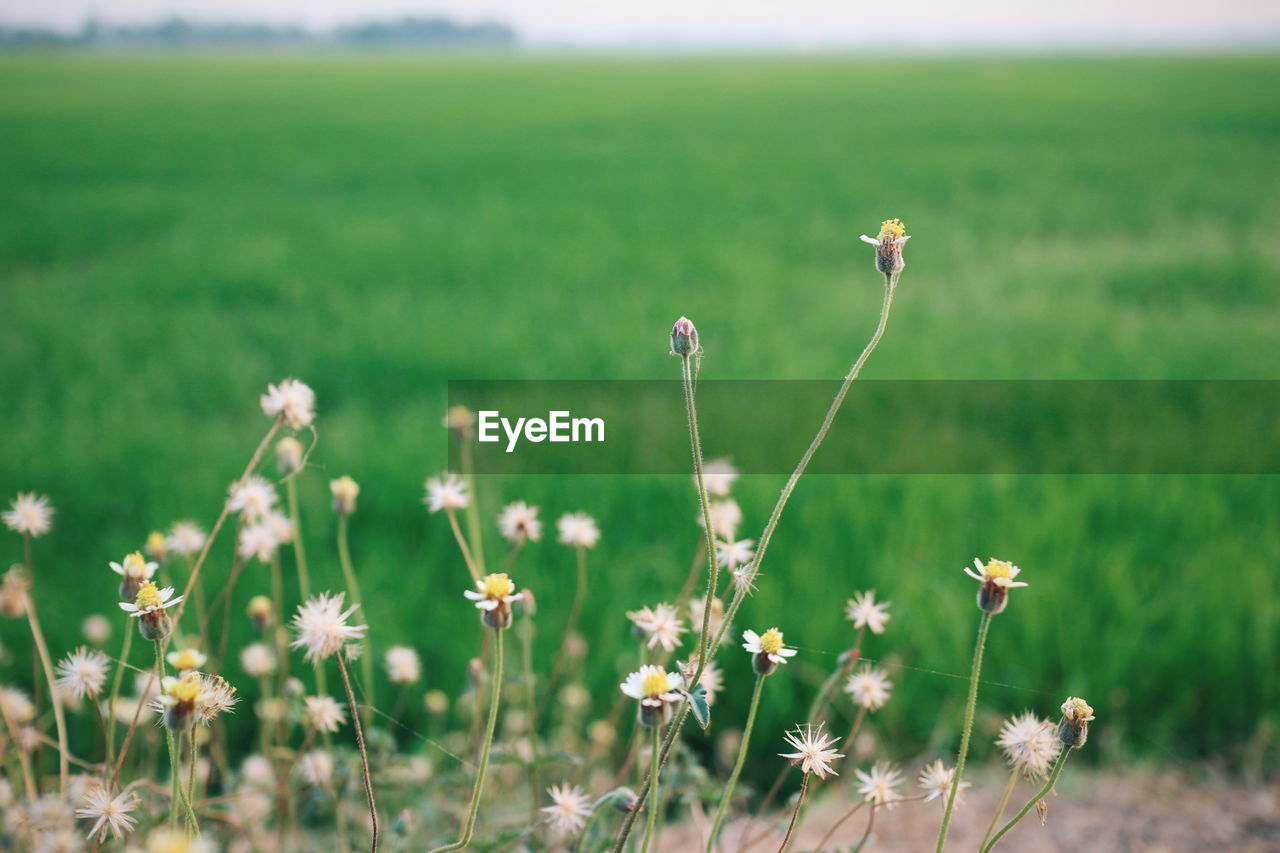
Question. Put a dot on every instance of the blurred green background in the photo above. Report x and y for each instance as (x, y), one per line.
(177, 232)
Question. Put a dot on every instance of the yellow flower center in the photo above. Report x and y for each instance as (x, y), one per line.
(771, 641)
(135, 565)
(155, 542)
(187, 688)
(148, 596)
(656, 683)
(892, 229)
(458, 417)
(498, 586)
(186, 659)
(1076, 709)
(998, 569)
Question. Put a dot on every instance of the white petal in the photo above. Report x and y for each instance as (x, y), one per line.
(873, 241)
(473, 595)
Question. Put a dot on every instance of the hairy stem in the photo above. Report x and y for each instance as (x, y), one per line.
(713, 569)
(59, 717)
(364, 754)
(737, 767)
(299, 550)
(791, 828)
(656, 774)
(970, 706)
(349, 574)
(1048, 786)
(1004, 801)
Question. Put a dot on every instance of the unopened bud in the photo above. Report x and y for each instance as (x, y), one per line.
(289, 455)
(1073, 729)
(156, 547)
(345, 491)
(684, 337)
(259, 611)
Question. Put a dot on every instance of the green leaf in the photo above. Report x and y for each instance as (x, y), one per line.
(698, 704)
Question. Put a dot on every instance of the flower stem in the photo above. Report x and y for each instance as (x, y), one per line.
(531, 702)
(190, 796)
(791, 828)
(1048, 786)
(570, 626)
(737, 767)
(462, 544)
(299, 551)
(59, 717)
(364, 754)
(349, 574)
(469, 828)
(656, 774)
(473, 509)
(713, 569)
(1004, 801)
(832, 831)
(970, 706)
(115, 690)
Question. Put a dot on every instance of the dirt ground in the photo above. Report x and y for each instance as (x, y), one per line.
(1139, 812)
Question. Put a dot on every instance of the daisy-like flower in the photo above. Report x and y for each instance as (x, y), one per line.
(730, 555)
(150, 607)
(96, 629)
(254, 498)
(322, 626)
(657, 691)
(888, 243)
(15, 706)
(326, 714)
(345, 491)
(865, 612)
(185, 660)
(179, 698)
(568, 813)
(316, 767)
(726, 515)
(698, 606)
(814, 752)
(292, 401)
(29, 514)
(185, 538)
(869, 687)
(448, 492)
(879, 787)
(997, 578)
(258, 660)
(660, 625)
(289, 454)
(519, 522)
(718, 476)
(766, 650)
(1029, 744)
(217, 697)
(108, 813)
(83, 673)
(493, 596)
(403, 665)
(258, 541)
(935, 780)
(712, 679)
(134, 570)
(1073, 729)
(578, 530)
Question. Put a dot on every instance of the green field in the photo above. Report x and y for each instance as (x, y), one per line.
(177, 232)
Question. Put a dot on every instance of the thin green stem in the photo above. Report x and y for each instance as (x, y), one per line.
(115, 689)
(299, 550)
(467, 556)
(469, 828)
(791, 828)
(189, 798)
(704, 503)
(570, 626)
(531, 702)
(364, 754)
(737, 767)
(59, 716)
(1048, 786)
(349, 574)
(1004, 801)
(473, 510)
(970, 706)
(656, 774)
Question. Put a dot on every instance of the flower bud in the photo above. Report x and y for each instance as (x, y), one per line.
(684, 337)
(460, 419)
(259, 611)
(1073, 729)
(345, 491)
(156, 546)
(436, 702)
(289, 455)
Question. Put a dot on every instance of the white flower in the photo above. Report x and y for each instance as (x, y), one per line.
(730, 555)
(29, 514)
(254, 497)
(316, 767)
(185, 538)
(660, 624)
(492, 592)
(578, 530)
(879, 786)
(345, 491)
(15, 706)
(653, 686)
(448, 492)
(570, 811)
(519, 522)
(1029, 744)
(217, 696)
(150, 599)
(256, 771)
(698, 606)
(258, 660)
(865, 612)
(403, 665)
(134, 568)
(869, 687)
(96, 628)
(935, 780)
(717, 477)
(322, 626)
(768, 644)
(997, 572)
(258, 540)
(326, 714)
(83, 673)
(814, 750)
(726, 515)
(291, 400)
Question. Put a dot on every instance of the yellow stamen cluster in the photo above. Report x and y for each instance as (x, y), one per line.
(135, 565)
(185, 660)
(771, 641)
(148, 596)
(459, 418)
(1077, 709)
(498, 585)
(998, 569)
(187, 689)
(656, 683)
(891, 229)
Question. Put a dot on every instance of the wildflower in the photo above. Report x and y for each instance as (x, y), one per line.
(814, 750)
(322, 626)
(403, 665)
(258, 660)
(865, 612)
(291, 401)
(259, 611)
(879, 787)
(730, 555)
(726, 515)
(869, 687)
(888, 243)
(258, 540)
(766, 649)
(569, 812)
(460, 419)
(134, 570)
(578, 530)
(493, 596)
(185, 538)
(289, 453)
(96, 628)
(108, 813)
(717, 477)
(256, 771)
(936, 779)
(448, 492)
(1030, 744)
(316, 767)
(150, 606)
(16, 706)
(29, 514)
(179, 698)
(656, 690)
(172, 841)
(156, 546)
(698, 606)
(217, 697)
(436, 702)
(325, 713)
(345, 491)
(519, 522)
(83, 673)
(712, 679)
(13, 593)
(684, 338)
(185, 660)
(254, 498)
(1073, 729)
(660, 625)
(997, 577)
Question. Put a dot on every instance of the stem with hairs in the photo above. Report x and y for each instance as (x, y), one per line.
(364, 754)
(1048, 786)
(970, 706)
(737, 767)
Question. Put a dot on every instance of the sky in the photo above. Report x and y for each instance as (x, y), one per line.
(797, 24)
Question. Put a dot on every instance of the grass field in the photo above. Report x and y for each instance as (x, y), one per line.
(177, 232)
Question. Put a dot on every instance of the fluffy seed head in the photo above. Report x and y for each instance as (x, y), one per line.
(292, 401)
(29, 514)
(83, 673)
(321, 625)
